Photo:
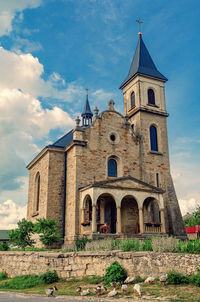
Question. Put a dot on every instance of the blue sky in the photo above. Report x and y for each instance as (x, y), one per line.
(52, 50)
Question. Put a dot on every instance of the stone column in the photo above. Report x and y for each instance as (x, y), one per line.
(162, 217)
(82, 214)
(94, 222)
(141, 220)
(119, 222)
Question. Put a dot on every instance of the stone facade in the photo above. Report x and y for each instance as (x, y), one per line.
(69, 265)
(77, 189)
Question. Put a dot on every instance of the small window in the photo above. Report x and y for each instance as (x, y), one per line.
(112, 168)
(37, 191)
(151, 97)
(157, 180)
(133, 127)
(133, 99)
(153, 138)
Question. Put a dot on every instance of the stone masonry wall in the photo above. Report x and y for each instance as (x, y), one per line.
(81, 264)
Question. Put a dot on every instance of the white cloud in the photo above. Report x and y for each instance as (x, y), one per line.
(10, 9)
(10, 214)
(188, 205)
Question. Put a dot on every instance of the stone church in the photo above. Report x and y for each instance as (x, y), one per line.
(110, 175)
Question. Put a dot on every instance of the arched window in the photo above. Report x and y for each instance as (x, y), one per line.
(37, 191)
(151, 97)
(112, 168)
(153, 138)
(133, 99)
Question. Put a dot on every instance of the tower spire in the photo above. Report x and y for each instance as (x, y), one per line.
(87, 113)
(139, 21)
(142, 63)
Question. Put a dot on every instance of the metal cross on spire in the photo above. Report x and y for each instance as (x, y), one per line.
(139, 21)
(86, 91)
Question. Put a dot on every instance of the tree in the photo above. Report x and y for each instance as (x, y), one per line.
(48, 230)
(194, 219)
(22, 235)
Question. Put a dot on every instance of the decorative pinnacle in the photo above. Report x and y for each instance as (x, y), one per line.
(139, 21)
(96, 111)
(77, 120)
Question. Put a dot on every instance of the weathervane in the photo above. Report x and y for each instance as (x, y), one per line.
(139, 21)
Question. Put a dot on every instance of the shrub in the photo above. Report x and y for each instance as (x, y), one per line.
(3, 275)
(48, 230)
(165, 244)
(22, 235)
(81, 243)
(49, 277)
(130, 245)
(177, 278)
(4, 246)
(115, 272)
(146, 245)
(190, 246)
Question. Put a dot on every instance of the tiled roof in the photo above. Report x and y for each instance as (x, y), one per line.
(64, 141)
(143, 64)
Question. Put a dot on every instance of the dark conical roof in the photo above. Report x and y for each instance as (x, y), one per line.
(143, 64)
(87, 111)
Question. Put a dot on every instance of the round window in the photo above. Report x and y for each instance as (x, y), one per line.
(112, 137)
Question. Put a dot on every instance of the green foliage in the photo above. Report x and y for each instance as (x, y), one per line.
(4, 246)
(29, 281)
(177, 278)
(194, 219)
(81, 243)
(146, 245)
(48, 230)
(49, 277)
(130, 245)
(3, 275)
(139, 279)
(196, 279)
(22, 235)
(115, 272)
(190, 246)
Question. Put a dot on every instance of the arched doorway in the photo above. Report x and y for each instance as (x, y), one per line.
(151, 212)
(129, 215)
(106, 213)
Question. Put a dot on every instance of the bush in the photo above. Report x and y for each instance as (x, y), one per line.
(4, 246)
(190, 246)
(48, 230)
(146, 245)
(115, 272)
(3, 275)
(177, 278)
(22, 235)
(165, 244)
(130, 245)
(49, 277)
(81, 243)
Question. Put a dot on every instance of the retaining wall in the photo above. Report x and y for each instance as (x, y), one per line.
(81, 264)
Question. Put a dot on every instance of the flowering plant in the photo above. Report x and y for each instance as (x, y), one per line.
(85, 223)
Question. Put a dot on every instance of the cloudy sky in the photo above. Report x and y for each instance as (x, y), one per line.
(52, 50)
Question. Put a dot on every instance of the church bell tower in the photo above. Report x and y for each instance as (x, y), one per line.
(145, 109)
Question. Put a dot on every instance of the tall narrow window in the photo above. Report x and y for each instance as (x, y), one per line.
(153, 138)
(37, 191)
(157, 180)
(112, 168)
(133, 99)
(151, 97)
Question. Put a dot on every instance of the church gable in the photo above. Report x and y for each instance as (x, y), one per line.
(128, 182)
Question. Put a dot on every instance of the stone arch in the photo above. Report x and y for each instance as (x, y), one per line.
(151, 210)
(87, 208)
(106, 211)
(129, 215)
